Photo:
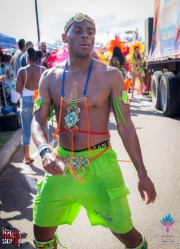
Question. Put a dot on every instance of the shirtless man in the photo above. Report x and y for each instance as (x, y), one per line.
(84, 169)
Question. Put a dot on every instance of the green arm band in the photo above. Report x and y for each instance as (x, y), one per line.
(124, 98)
(37, 107)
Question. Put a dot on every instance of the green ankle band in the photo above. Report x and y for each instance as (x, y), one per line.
(44, 245)
(143, 244)
(48, 244)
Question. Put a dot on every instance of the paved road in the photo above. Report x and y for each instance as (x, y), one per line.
(160, 141)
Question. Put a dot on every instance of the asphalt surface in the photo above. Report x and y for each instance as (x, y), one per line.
(160, 143)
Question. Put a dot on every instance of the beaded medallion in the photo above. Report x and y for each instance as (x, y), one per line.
(72, 117)
(78, 164)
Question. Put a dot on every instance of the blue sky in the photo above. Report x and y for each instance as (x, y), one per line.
(18, 17)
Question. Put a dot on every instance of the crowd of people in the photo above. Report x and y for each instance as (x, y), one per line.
(20, 73)
(130, 61)
(11, 62)
(83, 170)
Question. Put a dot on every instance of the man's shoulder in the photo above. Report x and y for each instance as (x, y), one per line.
(17, 56)
(23, 55)
(100, 66)
(61, 65)
(106, 75)
(23, 59)
(53, 72)
(17, 53)
(50, 76)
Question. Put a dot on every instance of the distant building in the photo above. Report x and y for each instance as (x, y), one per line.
(130, 36)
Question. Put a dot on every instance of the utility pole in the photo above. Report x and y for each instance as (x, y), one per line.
(108, 36)
(37, 22)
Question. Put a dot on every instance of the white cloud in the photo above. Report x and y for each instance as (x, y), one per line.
(18, 16)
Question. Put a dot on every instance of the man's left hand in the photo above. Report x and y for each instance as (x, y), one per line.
(146, 189)
(2, 77)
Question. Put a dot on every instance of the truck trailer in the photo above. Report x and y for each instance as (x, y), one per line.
(164, 56)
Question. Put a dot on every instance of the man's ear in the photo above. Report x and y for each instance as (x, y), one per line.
(64, 38)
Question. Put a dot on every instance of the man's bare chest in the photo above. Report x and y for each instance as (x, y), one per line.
(97, 92)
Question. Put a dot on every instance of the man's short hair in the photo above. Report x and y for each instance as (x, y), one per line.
(40, 43)
(21, 43)
(29, 44)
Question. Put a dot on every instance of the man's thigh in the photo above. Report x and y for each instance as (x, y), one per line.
(55, 203)
(105, 196)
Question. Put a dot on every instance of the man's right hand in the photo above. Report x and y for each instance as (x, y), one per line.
(43, 61)
(53, 164)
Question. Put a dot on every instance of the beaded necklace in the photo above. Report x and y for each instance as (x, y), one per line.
(72, 117)
(78, 165)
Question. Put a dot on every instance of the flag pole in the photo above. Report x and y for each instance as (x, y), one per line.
(37, 22)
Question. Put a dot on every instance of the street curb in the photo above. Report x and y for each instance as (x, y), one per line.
(9, 149)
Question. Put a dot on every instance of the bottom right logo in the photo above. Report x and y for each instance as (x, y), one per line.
(167, 222)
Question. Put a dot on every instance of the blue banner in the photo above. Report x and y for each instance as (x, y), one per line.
(166, 30)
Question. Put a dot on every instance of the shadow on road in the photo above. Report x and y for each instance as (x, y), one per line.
(143, 112)
(15, 196)
(37, 170)
(15, 202)
(113, 126)
(153, 112)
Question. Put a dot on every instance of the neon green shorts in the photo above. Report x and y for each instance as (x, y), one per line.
(102, 193)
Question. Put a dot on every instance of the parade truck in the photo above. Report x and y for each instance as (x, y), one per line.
(163, 58)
